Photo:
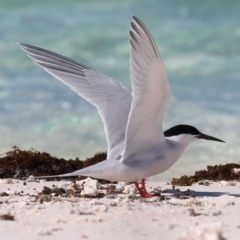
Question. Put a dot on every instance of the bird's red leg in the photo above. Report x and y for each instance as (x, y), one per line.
(146, 194)
(142, 190)
(138, 188)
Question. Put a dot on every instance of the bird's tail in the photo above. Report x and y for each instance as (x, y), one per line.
(93, 170)
(76, 173)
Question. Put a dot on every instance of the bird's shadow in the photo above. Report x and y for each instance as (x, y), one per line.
(199, 193)
(214, 194)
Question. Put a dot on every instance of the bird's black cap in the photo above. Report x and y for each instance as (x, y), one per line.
(181, 129)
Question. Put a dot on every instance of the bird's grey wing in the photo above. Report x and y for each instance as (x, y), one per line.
(111, 98)
(150, 89)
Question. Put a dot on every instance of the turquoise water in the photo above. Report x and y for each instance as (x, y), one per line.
(199, 42)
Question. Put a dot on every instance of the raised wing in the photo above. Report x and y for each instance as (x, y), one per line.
(111, 98)
(150, 90)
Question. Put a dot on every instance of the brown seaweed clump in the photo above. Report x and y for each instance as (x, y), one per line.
(19, 163)
(215, 173)
(7, 216)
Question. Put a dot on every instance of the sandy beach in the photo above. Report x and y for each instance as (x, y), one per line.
(209, 211)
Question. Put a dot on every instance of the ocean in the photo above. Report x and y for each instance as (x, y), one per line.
(199, 42)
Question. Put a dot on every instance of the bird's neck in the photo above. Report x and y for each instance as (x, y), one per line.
(183, 139)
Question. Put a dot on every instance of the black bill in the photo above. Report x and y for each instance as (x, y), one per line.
(206, 137)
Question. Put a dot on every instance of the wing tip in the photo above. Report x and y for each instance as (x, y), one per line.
(136, 20)
(133, 17)
(23, 45)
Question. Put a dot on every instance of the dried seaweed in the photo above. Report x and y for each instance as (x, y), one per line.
(7, 216)
(19, 163)
(214, 173)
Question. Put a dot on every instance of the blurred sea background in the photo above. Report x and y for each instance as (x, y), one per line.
(199, 42)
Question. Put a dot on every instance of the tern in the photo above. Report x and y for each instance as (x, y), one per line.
(137, 146)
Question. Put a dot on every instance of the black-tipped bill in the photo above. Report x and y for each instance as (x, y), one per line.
(206, 137)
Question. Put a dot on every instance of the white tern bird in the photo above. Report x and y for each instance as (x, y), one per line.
(137, 146)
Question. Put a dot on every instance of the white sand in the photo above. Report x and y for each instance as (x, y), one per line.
(213, 214)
